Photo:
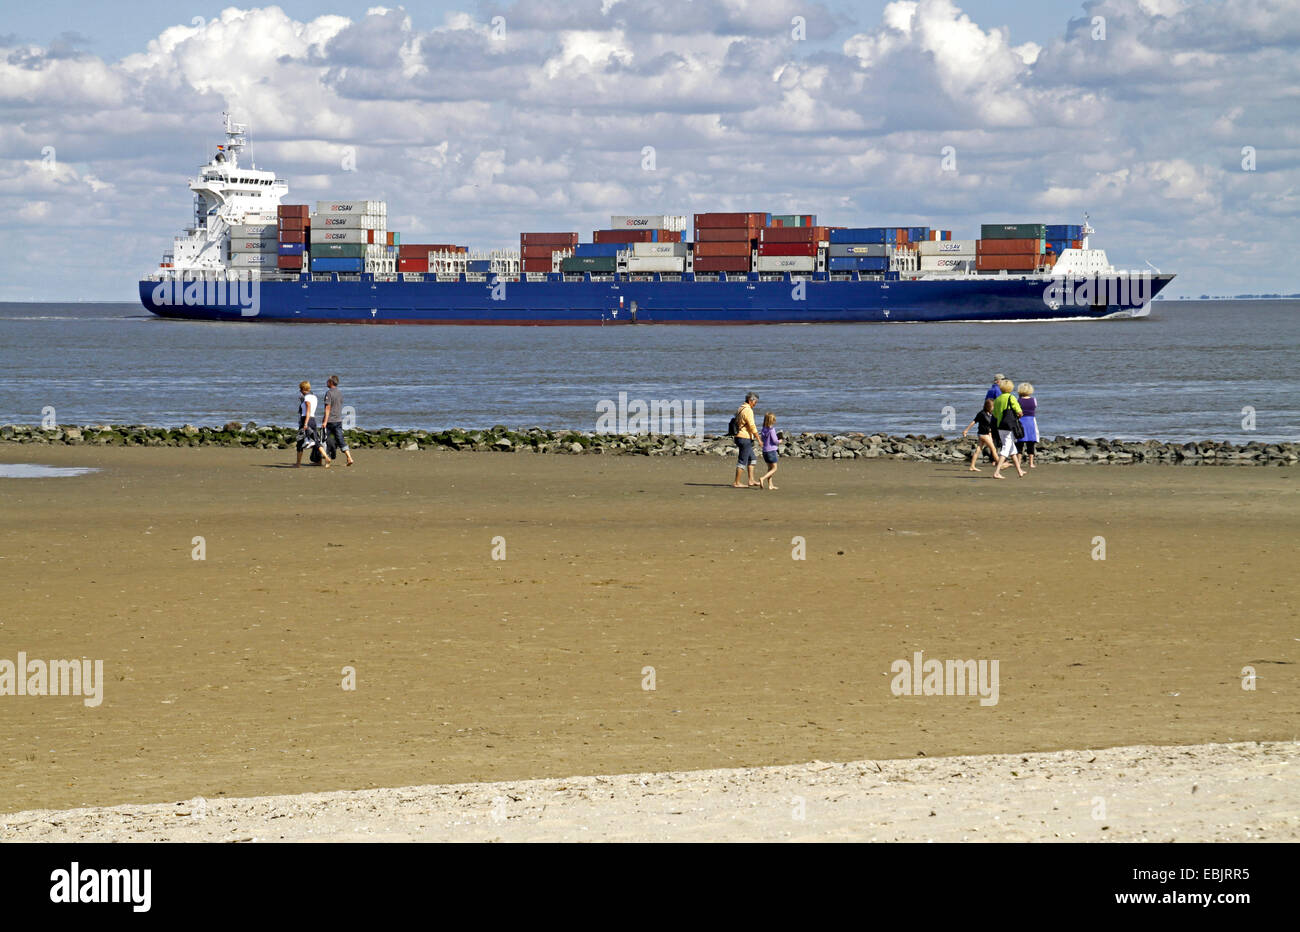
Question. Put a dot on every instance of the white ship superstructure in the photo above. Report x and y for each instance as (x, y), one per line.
(226, 195)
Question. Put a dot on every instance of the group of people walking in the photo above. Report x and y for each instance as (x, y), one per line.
(1007, 426)
(327, 439)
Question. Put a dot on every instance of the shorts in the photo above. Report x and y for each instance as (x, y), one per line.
(744, 452)
(770, 457)
(334, 437)
(1008, 443)
(1028, 447)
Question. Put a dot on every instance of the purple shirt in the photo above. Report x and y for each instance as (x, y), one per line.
(770, 441)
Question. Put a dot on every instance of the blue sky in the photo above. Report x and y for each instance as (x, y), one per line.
(471, 136)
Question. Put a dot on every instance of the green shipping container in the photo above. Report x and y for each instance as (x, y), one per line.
(338, 250)
(588, 264)
(1013, 231)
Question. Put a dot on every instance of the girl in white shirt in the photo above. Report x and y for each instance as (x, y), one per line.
(307, 436)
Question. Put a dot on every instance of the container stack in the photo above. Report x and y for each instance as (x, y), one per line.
(1011, 247)
(537, 249)
(293, 237)
(254, 246)
(860, 249)
(1063, 236)
(352, 236)
(418, 257)
(947, 255)
(644, 258)
(600, 258)
(790, 248)
(727, 242)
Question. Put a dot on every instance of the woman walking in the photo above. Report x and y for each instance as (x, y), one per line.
(307, 436)
(1005, 411)
(984, 418)
(1028, 445)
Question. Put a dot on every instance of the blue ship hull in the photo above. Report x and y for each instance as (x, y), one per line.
(740, 301)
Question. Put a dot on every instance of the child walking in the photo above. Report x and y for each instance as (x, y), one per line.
(985, 421)
(771, 444)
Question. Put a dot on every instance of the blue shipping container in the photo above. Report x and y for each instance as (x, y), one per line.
(292, 249)
(327, 264)
(858, 235)
(858, 264)
(606, 250)
(478, 265)
(1064, 231)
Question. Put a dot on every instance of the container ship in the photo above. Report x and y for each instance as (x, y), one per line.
(249, 256)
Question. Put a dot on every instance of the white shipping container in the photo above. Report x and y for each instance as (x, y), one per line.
(253, 260)
(656, 263)
(253, 231)
(786, 263)
(947, 247)
(254, 245)
(348, 222)
(648, 222)
(378, 208)
(658, 249)
(947, 263)
(340, 235)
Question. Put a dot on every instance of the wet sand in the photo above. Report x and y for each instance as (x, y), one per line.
(224, 676)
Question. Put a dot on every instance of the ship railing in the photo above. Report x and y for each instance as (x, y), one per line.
(386, 276)
(349, 276)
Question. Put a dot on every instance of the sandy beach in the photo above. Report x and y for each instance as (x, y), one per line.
(224, 677)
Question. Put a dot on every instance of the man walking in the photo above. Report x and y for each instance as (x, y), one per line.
(746, 435)
(333, 420)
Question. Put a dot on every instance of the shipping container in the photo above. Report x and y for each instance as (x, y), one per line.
(253, 245)
(965, 263)
(726, 235)
(876, 250)
(624, 236)
(378, 208)
(786, 263)
(253, 260)
(657, 249)
(1013, 231)
(674, 222)
(1009, 247)
(349, 221)
(355, 237)
(864, 235)
(291, 249)
(294, 263)
(413, 264)
(330, 264)
(1063, 231)
(478, 266)
(714, 221)
(294, 223)
(253, 231)
(721, 263)
(548, 239)
(655, 263)
(339, 250)
(787, 249)
(858, 264)
(537, 265)
(794, 234)
(601, 250)
(293, 236)
(723, 249)
(588, 264)
(794, 220)
(947, 247)
(541, 252)
(1022, 262)
(300, 211)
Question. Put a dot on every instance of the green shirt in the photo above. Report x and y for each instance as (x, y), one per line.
(1000, 406)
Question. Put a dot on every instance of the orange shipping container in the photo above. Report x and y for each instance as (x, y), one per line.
(413, 265)
(721, 264)
(548, 239)
(537, 265)
(794, 234)
(712, 221)
(723, 249)
(541, 252)
(1010, 263)
(725, 235)
(1008, 247)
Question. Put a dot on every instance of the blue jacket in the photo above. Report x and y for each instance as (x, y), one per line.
(992, 393)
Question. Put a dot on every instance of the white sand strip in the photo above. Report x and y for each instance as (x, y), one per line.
(1210, 792)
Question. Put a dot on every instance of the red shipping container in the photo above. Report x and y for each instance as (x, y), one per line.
(537, 265)
(721, 264)
(293, 210)
(713, 221)
(622, 236)
(293, 236)
(294, 223)
(901, 237)
(540, 252)
(548, 239)
(723, 249)
(1010, 263)
(288, 262)
(725, 235)
(1008, 247)
(413, 265)
(788, 249)
(794, 235)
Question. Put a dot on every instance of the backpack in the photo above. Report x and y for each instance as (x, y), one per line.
(733, 427)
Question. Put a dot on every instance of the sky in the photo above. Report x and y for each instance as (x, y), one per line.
(1175, 124)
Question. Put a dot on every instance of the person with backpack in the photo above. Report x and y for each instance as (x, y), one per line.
(1006, 419)
(745, 432)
